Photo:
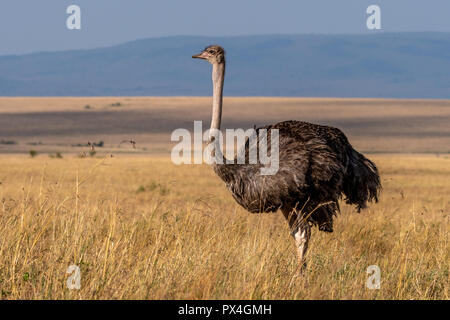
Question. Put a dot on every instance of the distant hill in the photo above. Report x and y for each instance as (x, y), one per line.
(399, 65)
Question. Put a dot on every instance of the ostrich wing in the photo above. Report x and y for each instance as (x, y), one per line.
(309, 167)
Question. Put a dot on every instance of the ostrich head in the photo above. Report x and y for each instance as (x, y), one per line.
(216, 56)
(213, 54)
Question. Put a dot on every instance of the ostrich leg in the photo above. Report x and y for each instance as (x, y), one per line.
(300, 231)
(301, 240)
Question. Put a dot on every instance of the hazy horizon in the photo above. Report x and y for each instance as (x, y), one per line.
(222, 36)
(28, 27)
(388, 65)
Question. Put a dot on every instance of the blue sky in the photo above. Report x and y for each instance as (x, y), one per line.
(30, 26)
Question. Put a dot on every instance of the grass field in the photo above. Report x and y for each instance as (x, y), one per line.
(143, 228)
(139, 227)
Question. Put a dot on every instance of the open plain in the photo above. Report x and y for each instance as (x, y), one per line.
(139, 227)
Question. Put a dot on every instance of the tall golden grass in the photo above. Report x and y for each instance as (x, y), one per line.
(143, 228)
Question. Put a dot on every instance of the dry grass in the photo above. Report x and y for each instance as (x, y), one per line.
(142, 228)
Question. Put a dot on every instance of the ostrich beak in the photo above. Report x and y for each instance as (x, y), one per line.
(201, 55)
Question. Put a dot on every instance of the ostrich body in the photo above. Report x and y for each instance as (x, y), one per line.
(317, 167)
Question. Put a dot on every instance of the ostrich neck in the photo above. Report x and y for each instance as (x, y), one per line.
(225, 172)
(218, 75)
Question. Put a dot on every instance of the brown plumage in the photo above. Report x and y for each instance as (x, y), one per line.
(317, 167)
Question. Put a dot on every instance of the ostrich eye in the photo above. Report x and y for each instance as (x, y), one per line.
(211, 51)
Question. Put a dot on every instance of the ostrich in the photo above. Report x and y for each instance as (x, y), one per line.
(317, 167)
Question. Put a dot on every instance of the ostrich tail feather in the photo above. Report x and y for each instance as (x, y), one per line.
(362, 180)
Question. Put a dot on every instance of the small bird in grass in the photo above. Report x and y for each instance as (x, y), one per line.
(92, 146)
(133, 143)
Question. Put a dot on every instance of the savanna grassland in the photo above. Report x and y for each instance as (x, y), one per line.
(140, 227)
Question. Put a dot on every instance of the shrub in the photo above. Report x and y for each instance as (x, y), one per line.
(57, 155)
(7, 142)
(98, 144)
